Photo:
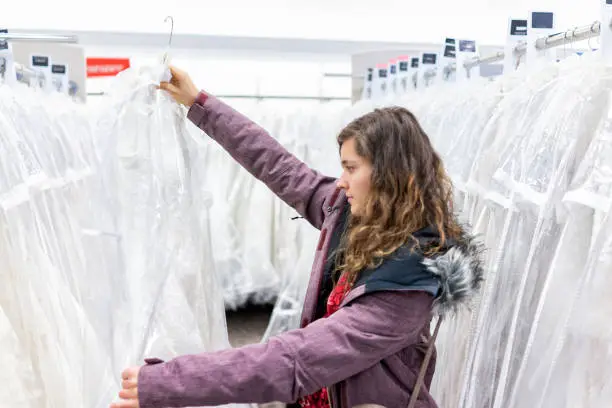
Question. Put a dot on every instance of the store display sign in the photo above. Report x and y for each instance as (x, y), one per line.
(450, 51)
(3, 43)
(467, 46)
(59, 75)
(40, 62)
(542, 20)
(605, 35)
(519, 27)
(105, 67)
(41, 65)
(539, 24)
(430, 59)
(7, 65)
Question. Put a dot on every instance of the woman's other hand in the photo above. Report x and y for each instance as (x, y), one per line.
(180, 87)
(129, 389)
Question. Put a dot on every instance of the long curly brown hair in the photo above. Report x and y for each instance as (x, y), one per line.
(410, 190)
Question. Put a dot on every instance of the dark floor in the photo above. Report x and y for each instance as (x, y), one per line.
(247, 326)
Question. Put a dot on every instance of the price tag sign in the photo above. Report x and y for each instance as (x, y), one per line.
(7, 63)
(429, 65)
(605, 36)
(448, 58)
(59, 78)
(517, 33)
(467, 51)
(41, 65)
(539, 24)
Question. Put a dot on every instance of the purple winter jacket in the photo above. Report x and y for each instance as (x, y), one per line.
(368, 352)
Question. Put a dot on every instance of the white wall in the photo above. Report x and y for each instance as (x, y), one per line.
(243, 72)
(391, 20)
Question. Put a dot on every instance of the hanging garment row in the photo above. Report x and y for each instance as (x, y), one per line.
(257, 239)
(104, 256)
(531, 159)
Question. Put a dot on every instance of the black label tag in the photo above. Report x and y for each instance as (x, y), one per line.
(608, 1)
(414, 63)
(519, 27)
(38, 61)
(369, 76)
(3, 43)
(58, 69)
(382, 73)
(393, 69)
(467, 46)
(542, 20)
(450, 51)
(403, 66)
(429, 59)
(450, 41)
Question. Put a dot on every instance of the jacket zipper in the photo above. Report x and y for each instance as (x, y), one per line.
(330, 210)
(329, 397)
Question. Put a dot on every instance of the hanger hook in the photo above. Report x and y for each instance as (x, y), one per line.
(171, 29)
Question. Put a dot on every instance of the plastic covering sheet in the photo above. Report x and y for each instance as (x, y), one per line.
(530, 158)
(105, 242)
(261, 251)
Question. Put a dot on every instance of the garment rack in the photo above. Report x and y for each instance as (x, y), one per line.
(262, 97)
(543, 43)
(24, 74)
(26, 37)
(287, 97)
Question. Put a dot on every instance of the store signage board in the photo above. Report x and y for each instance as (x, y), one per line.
(429, 63)
(60, 75)
(605, 36)
(41, 65)
(7, 61)
(516, 34)
(467, 51)
(448, 57)
(403, 73)
(106, 67)
(539, 24)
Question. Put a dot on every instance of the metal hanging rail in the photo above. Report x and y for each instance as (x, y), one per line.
(544, 43)
(262, 97)
(24, 37)
(498, 56)
(578, 34)
(287, 97)
(24, 74)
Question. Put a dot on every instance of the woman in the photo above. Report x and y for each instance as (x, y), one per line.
(390, 256)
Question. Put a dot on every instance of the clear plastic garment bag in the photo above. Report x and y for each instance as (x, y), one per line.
(49, 330)
(105, 242)
(169, 302)
(564, 325)
(529, 158)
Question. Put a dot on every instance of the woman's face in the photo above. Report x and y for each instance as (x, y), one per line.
(356, 176)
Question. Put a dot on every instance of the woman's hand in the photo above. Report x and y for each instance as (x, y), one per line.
(129, 389)
(180, 87)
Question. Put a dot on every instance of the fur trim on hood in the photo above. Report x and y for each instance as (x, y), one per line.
(461, 273)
